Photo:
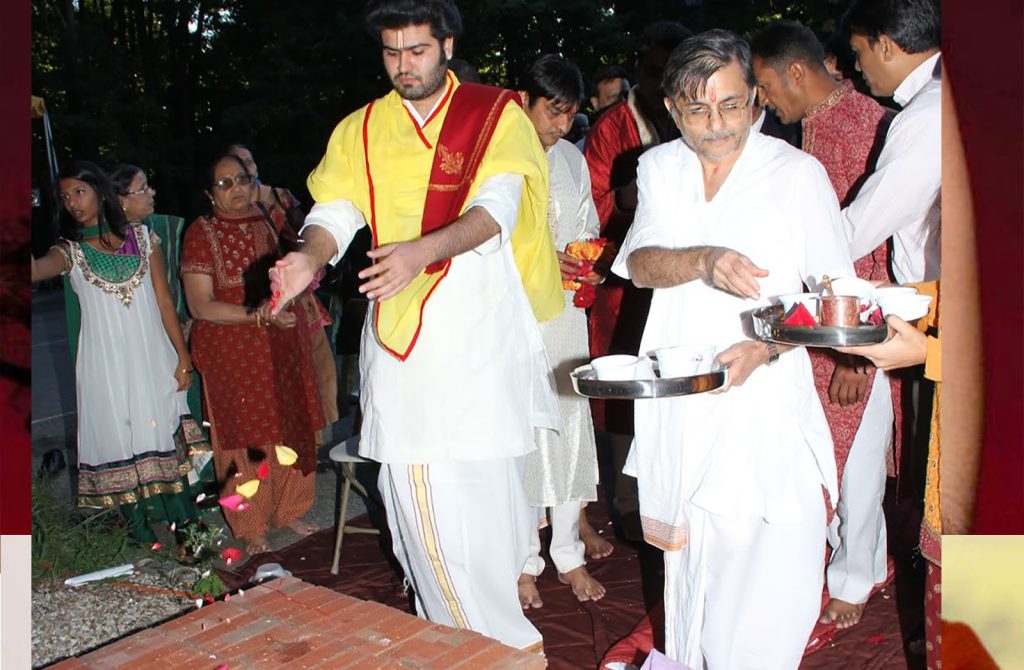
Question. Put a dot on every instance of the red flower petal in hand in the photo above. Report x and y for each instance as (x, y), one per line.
(584, 296)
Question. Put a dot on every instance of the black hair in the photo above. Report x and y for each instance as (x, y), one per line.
(784, 42)
(838, 45)
(555, 78)
(441, 15)
(466, 73)
(664, 35)
(914, 25)
(695, 60)
(109, 215)
(608, 72)
(122, 176)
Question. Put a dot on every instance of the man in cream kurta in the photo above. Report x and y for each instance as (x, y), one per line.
(562, 474)
(731, 483)
(451, 423)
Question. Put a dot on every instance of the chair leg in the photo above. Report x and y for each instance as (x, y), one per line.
(342, 511)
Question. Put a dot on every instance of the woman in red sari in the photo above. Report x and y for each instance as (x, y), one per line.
(260, 388)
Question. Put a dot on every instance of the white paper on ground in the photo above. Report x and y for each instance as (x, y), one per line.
(106, 573)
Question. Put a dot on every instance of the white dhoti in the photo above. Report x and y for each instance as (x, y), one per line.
(567, 549)
(857, 533)
(461, 531)
(744, 593)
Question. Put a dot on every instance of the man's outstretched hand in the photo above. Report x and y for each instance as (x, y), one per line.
(289, 277)
(733, 272)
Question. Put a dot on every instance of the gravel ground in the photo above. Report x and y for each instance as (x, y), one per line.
(65, 621)
(72, 621)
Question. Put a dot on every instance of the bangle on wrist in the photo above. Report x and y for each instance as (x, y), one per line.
(773, 353)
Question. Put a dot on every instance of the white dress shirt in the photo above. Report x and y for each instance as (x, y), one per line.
(901, 198)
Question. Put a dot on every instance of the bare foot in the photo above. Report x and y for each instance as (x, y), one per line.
(302, 527)
(596, 546)
(584, 587)
(256, 545)
(529, 596)
(841, 613)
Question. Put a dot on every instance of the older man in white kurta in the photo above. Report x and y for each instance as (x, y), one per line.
(731, 483)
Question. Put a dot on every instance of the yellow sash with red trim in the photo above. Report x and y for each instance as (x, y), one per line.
(463, 157)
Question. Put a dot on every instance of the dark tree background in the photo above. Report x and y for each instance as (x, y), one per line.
(166, 83)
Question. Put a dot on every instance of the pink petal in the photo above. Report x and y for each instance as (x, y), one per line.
(156, 546)
(231, 502)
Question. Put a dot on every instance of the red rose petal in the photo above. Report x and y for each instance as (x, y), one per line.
(263, 471)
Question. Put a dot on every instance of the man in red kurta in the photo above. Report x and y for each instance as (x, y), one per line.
(844, 130)
(623, 132)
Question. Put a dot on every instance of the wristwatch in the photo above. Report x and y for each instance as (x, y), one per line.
(773, 353)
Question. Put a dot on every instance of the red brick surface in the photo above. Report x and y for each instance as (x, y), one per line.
(288, 623)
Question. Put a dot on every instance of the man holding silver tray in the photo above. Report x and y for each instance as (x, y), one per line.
(731, 482)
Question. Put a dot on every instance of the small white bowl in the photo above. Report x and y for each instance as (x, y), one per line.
(685, 360)
(907, 307)
(894, 290)
(622, 367)
(861, 288)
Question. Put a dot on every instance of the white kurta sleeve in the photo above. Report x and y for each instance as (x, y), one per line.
(818, 225)
(340, 218)
(587, 212)
(653, 215)
(905, 183)
(500, 196)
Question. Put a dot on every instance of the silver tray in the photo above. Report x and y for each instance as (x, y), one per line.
(586, 383)
(768, 325)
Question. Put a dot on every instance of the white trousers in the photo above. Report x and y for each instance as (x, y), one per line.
(461, 531)
(743, 593)
(567, 549)
(857, 532)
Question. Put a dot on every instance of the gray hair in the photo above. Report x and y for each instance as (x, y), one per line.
(697, 58)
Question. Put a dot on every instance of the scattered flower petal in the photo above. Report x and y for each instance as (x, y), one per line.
(205, 574)
(248, 489)
(227, 597)
(208, 598)
(231, 554)
(264, 470)
(173, 526)
(199, 602)
(156, 546)
(231, 502)
(201, 497)
(285, 455)
(241, 593)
